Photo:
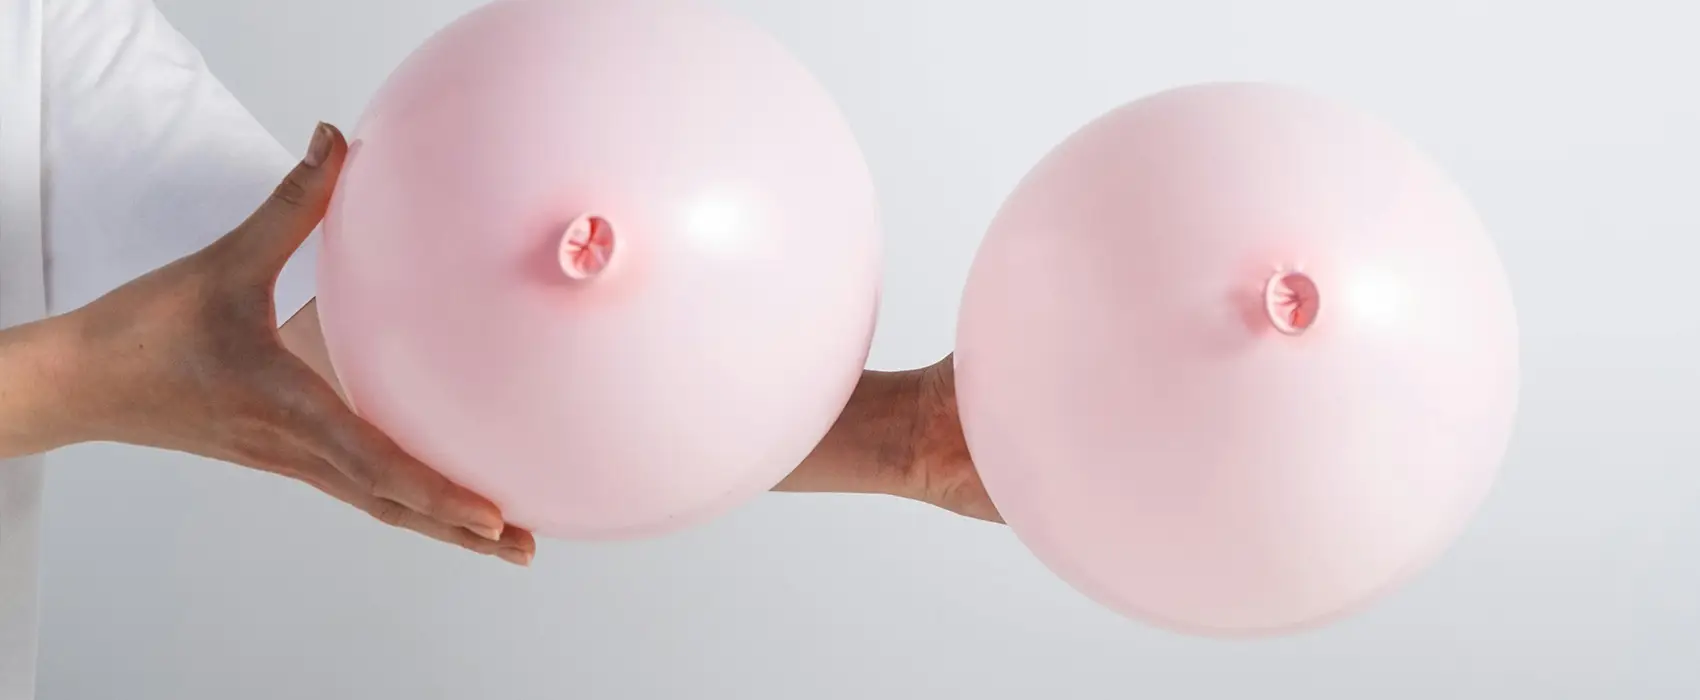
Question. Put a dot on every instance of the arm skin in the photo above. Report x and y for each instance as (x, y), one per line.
(40, 380)
(188, 357)
(37, 395)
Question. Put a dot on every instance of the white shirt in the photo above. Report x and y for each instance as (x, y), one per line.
(119, 152)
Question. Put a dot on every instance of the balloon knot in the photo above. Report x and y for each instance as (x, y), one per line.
(1291, 301)
(587, 247)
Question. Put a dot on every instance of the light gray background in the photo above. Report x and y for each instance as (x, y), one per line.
(1572, 123)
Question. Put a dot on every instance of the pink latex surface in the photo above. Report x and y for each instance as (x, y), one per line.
(614, 265)
(1185, 442)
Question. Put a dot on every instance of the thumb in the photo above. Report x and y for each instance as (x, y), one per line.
(277, 229)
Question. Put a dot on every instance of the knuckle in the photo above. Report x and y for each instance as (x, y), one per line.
(436, 495)
(470, 542)
(387, 470)
(953, 493)
(364, 473)
(390, 513)
(291, 192)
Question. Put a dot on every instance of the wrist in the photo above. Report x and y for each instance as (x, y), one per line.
(871, 447)
(42, 390)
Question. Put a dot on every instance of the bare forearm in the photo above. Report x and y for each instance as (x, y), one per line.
(38, 391)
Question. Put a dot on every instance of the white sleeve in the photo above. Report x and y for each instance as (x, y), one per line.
(147, 156)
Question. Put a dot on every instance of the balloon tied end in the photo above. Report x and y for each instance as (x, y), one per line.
(587, 247)
(1291, 301)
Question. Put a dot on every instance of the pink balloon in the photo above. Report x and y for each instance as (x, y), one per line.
(1237, 361)
(614, 265)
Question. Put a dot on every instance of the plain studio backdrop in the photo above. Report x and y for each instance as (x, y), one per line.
(1572, 124)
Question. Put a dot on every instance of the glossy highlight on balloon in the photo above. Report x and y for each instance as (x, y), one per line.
(614, 265)
(1237, 360)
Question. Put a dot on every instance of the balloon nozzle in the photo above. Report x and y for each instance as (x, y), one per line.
(1291, 301)
(587, 247)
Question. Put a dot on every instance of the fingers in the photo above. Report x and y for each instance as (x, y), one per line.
(515, 546)
(277, 229)
(384, 470)
(323, 425)
(972, 501)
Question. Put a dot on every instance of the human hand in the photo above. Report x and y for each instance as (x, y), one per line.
(188, 358)
(941, 471)
(900, 435)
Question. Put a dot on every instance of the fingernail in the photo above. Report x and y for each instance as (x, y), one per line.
(517, 557)
(489, 532)
(320, 148)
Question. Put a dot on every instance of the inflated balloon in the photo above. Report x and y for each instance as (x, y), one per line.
(614, 265)
(1237, 361)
